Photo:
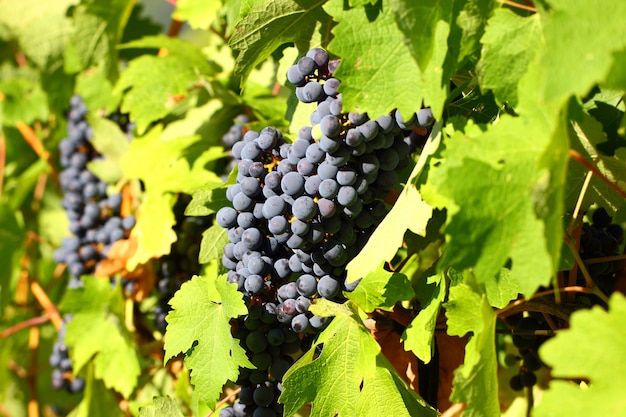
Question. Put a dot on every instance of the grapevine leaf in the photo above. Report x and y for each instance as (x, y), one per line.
(419, 334)
(200, 318)
(349, 374)
(418, 21)
(111, 143)
(98, 401)
(616, 78)
(96, 331)
(154, 83)
(23, 101)
(198, 13)
(381, 289)
(11, 238)
(163, 406)
(502, 289)
(269, 25)
(98, 28)
(409, 212)
(507, 50)
(603, 368)
(491, 205)
(44, 39)
(207, 200)
(386, 394)
(471, 20)
(331, 381)
(364, 70)
(97, 91)
(17, 15)
(171, 168)
(475, 382)
(153, 230)
(579, 51)
(212, 246)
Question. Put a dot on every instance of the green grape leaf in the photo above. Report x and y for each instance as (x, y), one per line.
(491, 203)
(578, 51)
(508, 48)
(501, 290)
(331, 381)
(111, 143)
(590, 349)
(381, 289)
(97, 90)
(409, 212)
(97, 401)
(207, 200)
(475, 382)
(98, 28)
(199, 326)
(616, 78)
(418, 21)
(212, 246)
(23, 101)
(97, 332)
(365, 71)
(386, 394)
(11, 240)
(163, 406)
(269, 25)
(471, 19)
(198, 13)
(420, 333)
(349, 373)
(44, 40)
(172, 167)
(154, 83)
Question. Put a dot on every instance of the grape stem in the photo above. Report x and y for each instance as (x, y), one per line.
(35, 321)
(511, 308)
(585, 273)
(224, 401)
(45, 302)
(581, 160)
(519, 6)
(605, 259)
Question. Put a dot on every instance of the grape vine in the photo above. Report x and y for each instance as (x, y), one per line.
(312, 209)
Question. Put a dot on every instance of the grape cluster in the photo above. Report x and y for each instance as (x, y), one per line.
(602, 239)
(60, 361)
(528, 345)
(182, 262)
(299, 213)
(235, 134)
(95, 222)
(94, 216)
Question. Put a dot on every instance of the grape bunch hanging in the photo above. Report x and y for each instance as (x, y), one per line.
(299, 213)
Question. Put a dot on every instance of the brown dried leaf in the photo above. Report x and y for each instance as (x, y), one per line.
(115, 264)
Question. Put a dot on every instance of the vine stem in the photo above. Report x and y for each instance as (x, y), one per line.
(605, 259)
(47, 305)
(586, 275)
(35, 321)
(519, 6)
(33, 141)
(33, 345)
(591, 167)
(3, 160)
(224, 401)
(576, 288)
